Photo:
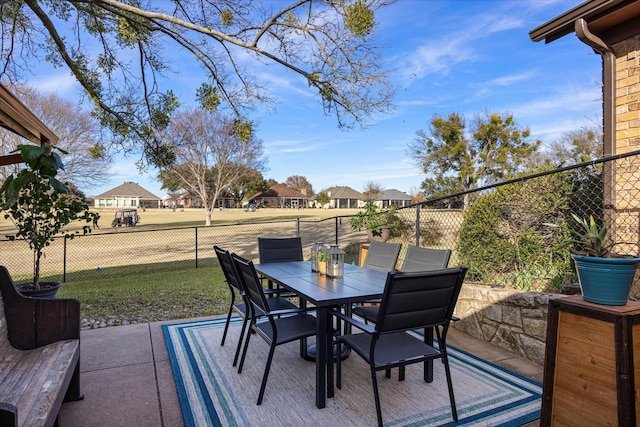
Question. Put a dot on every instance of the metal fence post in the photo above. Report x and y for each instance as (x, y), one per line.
(298, 227)
(196, 247)
(64, 260)
(418, 225)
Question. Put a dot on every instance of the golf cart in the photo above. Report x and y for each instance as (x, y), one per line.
(126, 217)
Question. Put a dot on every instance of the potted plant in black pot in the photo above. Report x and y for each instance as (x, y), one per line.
(605, 277)
(41, 206)
(380, 224)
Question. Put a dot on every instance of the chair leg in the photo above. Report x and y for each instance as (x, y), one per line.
(226, 325)
(267, 368)
(452, 399)
(303, 341)
(244, 350)
(401, 373)
(339, 368)
(242, 332)
(376, 395)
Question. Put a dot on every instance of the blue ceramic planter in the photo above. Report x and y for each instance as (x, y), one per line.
(606, 280)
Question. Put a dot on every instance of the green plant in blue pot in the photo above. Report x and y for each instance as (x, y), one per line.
(605, 277)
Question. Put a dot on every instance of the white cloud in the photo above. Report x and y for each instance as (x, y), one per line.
(503, 23)
(436, 58)
(60, 83)
(507, 80)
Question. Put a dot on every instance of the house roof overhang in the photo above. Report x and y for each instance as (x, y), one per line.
(611, 20)
(16, 117)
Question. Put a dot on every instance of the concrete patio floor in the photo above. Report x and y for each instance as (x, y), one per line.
(126, 376)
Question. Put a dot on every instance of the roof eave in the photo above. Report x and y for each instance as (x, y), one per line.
(564, 24)
(16, 117)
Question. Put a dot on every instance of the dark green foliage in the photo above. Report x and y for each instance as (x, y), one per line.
(373, 218)
(505, 239)
(39, 205)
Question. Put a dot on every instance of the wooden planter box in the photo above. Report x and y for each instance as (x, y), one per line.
(591, 358)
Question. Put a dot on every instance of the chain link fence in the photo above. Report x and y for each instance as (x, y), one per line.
(510, 235)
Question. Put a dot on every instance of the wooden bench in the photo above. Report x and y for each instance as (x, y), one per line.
(39, 356)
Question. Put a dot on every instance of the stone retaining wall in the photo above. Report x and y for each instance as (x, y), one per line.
(515, 321)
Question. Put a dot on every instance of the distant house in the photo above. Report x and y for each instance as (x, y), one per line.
(188, 200)
(393, 198)
(344, 197)
(127, 195)
(281, 196)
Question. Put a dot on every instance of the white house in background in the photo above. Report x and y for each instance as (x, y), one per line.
(393, 198)
(343, 197)
(127, 195)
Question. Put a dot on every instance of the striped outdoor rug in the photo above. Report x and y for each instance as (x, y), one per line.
(212, 393)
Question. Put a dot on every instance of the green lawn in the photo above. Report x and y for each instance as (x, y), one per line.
(151, 293)
(144, 292)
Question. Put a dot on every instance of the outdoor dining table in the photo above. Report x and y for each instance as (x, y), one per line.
(357, 285)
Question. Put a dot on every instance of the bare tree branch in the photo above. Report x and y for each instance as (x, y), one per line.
(327, 46)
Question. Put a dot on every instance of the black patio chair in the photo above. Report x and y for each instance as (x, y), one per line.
(282, 249)
(382, 256)
(417, 259)
(241, 306)
(281, 326)
(410, 301)
(279, 249)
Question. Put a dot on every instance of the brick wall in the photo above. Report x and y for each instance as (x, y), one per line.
(628, 95)
(627, 139)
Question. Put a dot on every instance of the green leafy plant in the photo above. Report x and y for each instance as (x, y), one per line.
(322, 256)
(372, 218)
(592, 239)
(504, 236)
(39, 204)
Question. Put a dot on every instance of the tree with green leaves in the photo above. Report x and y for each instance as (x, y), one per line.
(443, 186)
(248, 184)
(494, 148)
(209, 156)
(322, 198)
(125, 55)
(39, 205)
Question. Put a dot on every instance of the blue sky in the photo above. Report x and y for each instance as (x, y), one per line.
(464, 56)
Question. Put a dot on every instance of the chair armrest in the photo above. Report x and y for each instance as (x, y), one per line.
(278, 291)
(34, 322)
(290, 311)
(360, 325)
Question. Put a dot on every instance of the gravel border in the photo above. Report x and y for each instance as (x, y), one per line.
(104, 322)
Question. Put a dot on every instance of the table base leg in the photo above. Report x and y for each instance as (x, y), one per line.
(311, 352)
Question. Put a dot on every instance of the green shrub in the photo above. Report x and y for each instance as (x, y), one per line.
(504, 238)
